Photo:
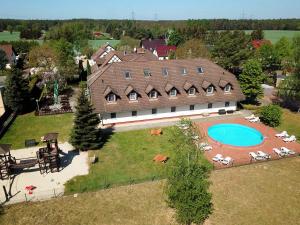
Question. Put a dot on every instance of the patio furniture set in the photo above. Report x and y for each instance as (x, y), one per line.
(49, 108)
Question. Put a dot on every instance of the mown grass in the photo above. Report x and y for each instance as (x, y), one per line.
(29, 126)
(95, 44)
(260, 194)
(126, 157)
(275, 35)
(7, 36)
(291, 123)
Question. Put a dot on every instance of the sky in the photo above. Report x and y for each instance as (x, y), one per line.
(149, 9)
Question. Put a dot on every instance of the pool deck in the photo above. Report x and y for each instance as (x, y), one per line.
(240, 155)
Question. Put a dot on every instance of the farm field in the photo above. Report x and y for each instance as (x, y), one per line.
(7, 36)
(95, 44)
(275, 35)
(264, 193)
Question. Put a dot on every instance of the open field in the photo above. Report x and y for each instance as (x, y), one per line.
(290, 123)
(29, 126)
(126, 157)
(95, 44)
(275, 35)
(7, 36)
(260, 194)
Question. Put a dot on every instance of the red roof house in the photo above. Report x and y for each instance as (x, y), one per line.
(258, 43)
(163, 51)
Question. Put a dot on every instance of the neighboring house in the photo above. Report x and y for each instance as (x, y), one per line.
(258, 43)
(134, 91)
(102, 52)
(162, 52)
(152, 44)
(11, 54)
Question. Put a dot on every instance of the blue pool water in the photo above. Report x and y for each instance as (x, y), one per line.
(235, 134)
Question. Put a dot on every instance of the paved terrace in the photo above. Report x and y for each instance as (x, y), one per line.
(240, 155)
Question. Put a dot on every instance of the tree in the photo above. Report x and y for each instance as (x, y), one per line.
(232, 49)
(88, 68)
(271, 115)
(284, 51)
(191, 49)
(257, 34)
(16, 94)
(10, 29)
(42, 56)
(268, 58)
(175, 38)
(85, 134)
(3, 59)
(187, 182)
(251, 80)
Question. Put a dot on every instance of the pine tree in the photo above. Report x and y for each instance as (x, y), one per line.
(85, 134)
(88, 68)
(16, 94)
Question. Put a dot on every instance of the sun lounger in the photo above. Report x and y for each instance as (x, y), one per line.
(227, 160)
(287, 151)
(279, 152)
(283, 134)
(160, 158)
(290, 139)
(263, 155)
(254, 156)
(254, 120)
(217, 158)
(250, 117)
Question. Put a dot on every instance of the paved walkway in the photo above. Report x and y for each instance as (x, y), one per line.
(139, 125)
(47, 185)
(241, 154)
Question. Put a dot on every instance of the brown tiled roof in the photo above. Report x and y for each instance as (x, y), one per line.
(99, 52)
(113, 76)
(9, 51)
(152, 44)
(223, 83)
(187, 86)
(128, 90)
(4, 148)
(206, 84)
(168, 87)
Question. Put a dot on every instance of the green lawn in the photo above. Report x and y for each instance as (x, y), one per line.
(261, 194)
(290, 123)
(29, 126)
(125, 157)
(7, 36)
(275, 35)
(95, 44)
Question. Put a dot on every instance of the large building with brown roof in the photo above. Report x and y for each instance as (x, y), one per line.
(132, 91)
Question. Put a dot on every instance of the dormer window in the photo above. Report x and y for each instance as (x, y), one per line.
(200, 69)
(173, 92)
(227, 88)
(153, 94)
(192, 91)
(165, 72)
(147, 72)
(132, 96)
(183, 71)
(111, 97)
(127, 74)
(210, 90)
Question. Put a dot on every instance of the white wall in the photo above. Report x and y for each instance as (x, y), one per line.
(166, 112)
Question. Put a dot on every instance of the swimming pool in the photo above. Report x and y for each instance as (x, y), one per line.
(235, 134)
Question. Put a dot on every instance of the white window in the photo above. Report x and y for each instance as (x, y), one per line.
(183, 71)
(111, 97)
(132, 96)
(227, 88)
(127, 74)
(210, 90)
(192, 91)
(153, 94)
(200, 69)
(173, 92)
(165, 71)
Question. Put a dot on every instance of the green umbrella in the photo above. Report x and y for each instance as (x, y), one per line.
(55, 92)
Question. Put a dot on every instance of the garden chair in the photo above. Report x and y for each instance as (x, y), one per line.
(227, 160)
(287, 151)
(254, 156)
(283, 134)
(279, 152)
(250, 117)
(263, 155)
(217, 158)
(290, 139)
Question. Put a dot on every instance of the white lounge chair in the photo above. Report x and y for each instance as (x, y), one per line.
(290, 139)
(254, 156)
(279, 152)
(283, 134)
(217, 158)
(254, 120)
(227, 160)
(287, 151)
(205, 146)
(250, 117)
(263, 155)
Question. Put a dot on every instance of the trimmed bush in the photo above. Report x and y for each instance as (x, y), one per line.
(271, 115)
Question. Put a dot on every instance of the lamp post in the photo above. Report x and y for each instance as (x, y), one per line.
(37, 103)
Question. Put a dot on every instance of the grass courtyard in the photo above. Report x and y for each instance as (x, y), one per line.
(260, 194)
(29, 126)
